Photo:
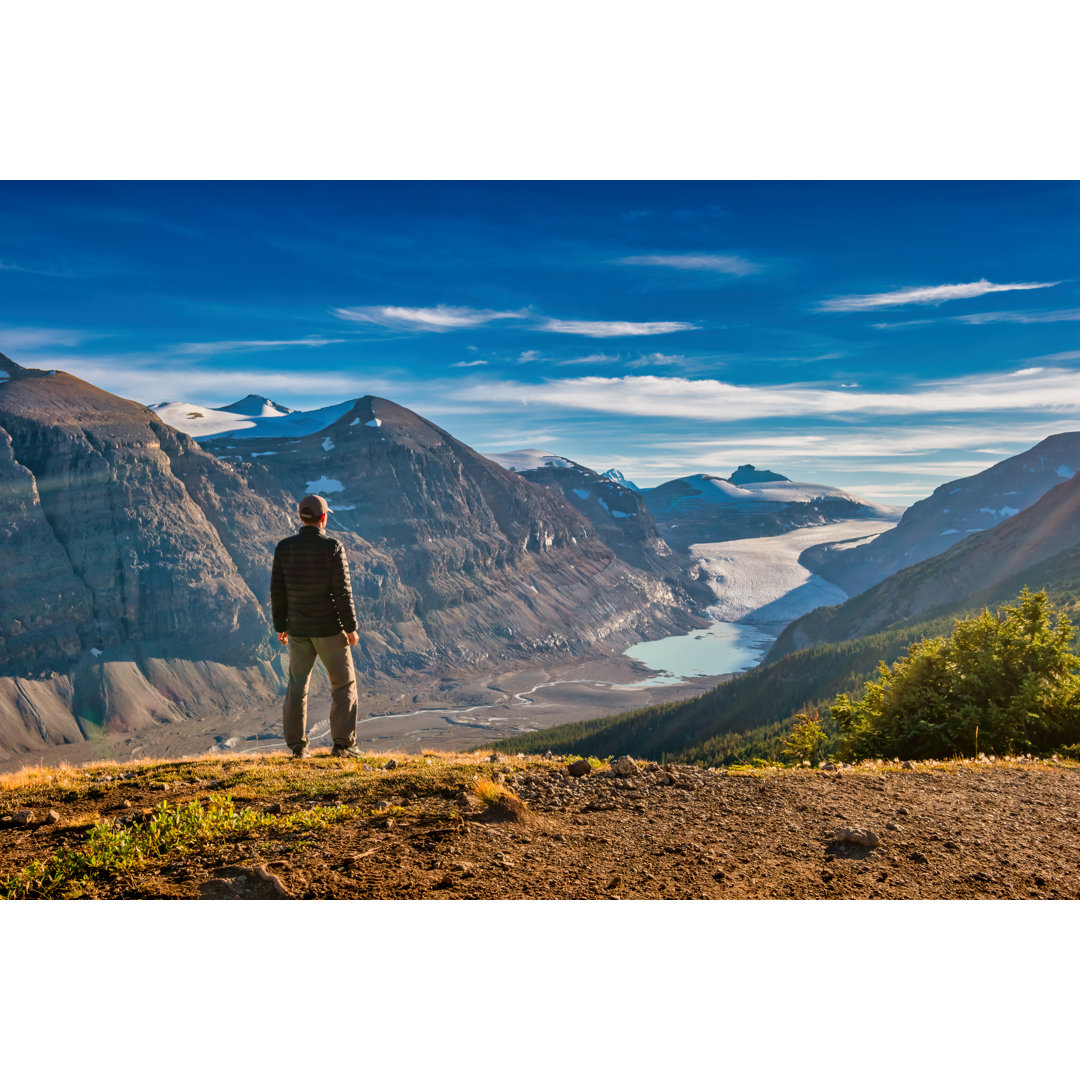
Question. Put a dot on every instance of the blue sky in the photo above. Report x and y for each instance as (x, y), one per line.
(883, 337)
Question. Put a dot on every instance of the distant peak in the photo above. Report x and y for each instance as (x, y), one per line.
(254, 405)
(617, 476)
(747, 474)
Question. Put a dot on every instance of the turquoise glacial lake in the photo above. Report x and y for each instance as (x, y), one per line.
(715, 650)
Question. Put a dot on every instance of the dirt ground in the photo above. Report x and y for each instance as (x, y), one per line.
(942, 831)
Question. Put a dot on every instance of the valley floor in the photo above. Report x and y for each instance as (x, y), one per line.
(418, 712)
(415, 829)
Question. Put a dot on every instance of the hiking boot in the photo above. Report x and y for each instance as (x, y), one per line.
(345, 751)
(301, 752)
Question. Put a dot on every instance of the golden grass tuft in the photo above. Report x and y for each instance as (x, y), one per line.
(500, 803)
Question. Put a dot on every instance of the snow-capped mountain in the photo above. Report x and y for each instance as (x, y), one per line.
(702, 508)
(953, 512)
(619, 478)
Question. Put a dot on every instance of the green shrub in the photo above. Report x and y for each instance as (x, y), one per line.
(805, 740)
(1001, 683)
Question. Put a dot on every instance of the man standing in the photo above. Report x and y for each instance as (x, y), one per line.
(312, 605)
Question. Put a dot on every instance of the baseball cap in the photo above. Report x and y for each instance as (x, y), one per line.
(312, 507)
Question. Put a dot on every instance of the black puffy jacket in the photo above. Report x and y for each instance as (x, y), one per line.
(310, 593)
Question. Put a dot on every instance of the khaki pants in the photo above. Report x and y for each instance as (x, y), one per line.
(334, 653)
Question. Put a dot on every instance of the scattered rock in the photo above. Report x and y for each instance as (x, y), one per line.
(893, 827)
(52, 817)
(245, 883)
(494, 757)
(22, 818)
(918, 857)
(863, 838)
(391, 764)
(445, 882)
(952, 845)
(580, 767)
(625, 766)
(126, 804)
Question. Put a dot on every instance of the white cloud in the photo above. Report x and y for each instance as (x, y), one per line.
(469, 363)
(1052, 389)
(657, 359)
(1068, 315)
(440, 318)
(721, 264)
(613, 329)
(926, 294)
(592, 358)
(212, 348)
(28, 338)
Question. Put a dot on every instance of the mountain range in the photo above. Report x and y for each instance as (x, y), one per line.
(956, 510)
(138, 561)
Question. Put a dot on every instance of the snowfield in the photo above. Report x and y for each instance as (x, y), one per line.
(200, 422)
(761, 579)
(523, 460)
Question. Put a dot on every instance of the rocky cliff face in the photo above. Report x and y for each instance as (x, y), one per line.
(954, 511)
(136, 564)
(131, 556)
(497, 564)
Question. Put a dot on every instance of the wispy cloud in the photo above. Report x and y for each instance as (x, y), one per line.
(1051, 389)
(926, 294)
(29, 338)
(612, 329)
(212, 348)
(440, 318)
(1068, 315)
(469, 363)
(734, 265)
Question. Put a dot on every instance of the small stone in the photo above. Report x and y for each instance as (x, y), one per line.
(22, 817)
(863, 838)
(581, 767)
(893, 827)
(6, 822)
(952, 845)
(625, 766)
(52, 817)
(494, 757)
(445, 882)
(126, 804)
(391, 764)
(827, 875)
(918, 857)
